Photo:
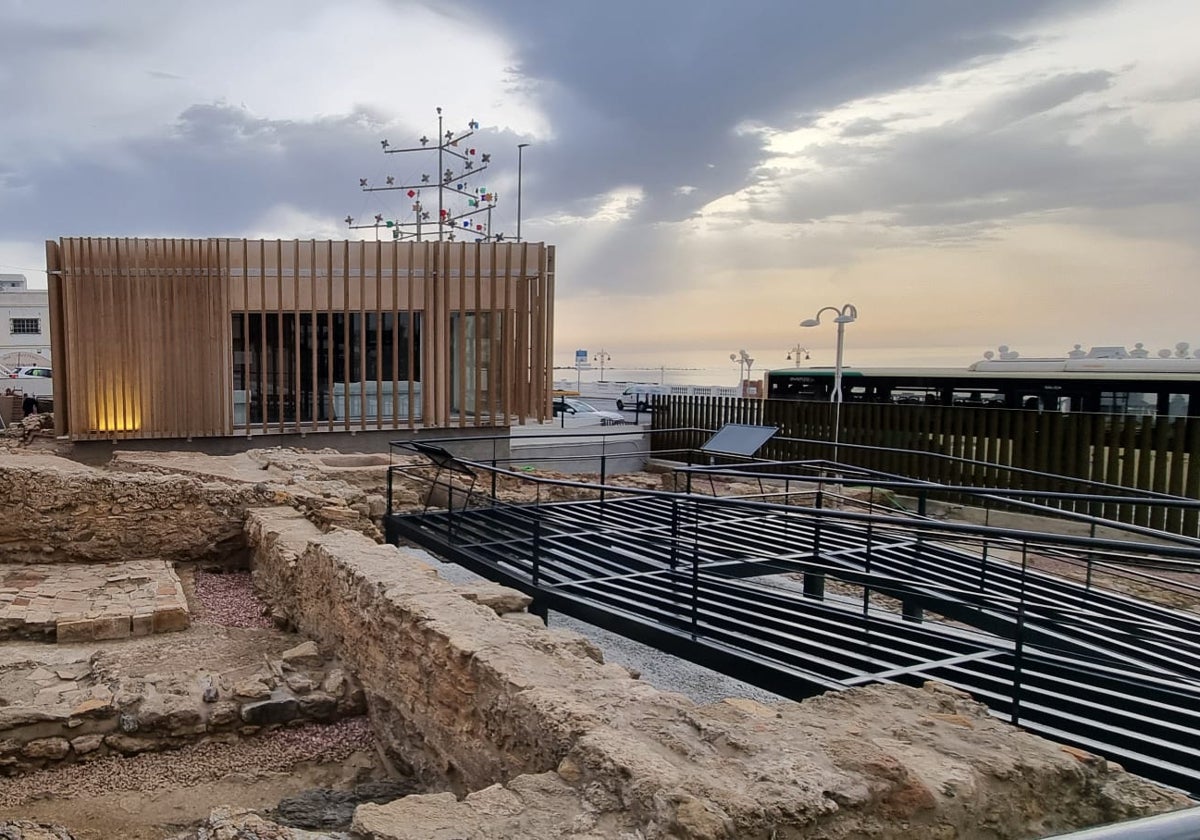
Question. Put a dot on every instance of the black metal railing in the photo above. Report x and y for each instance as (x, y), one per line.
(811, 577)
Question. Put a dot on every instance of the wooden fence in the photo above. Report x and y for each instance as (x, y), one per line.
(1157, 454)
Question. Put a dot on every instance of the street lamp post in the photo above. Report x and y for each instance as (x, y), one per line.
(745, 363)
(602, 357)
(798, 353)
(520, 156)
(848, 314)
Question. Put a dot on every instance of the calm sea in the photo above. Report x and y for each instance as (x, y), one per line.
(714, 368)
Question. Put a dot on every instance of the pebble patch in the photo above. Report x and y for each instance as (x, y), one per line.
(228, 599)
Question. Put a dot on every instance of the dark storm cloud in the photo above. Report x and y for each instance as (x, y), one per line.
(214, 174)
(648, 93)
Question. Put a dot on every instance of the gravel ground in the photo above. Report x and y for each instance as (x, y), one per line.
(228, 599)
(669, 673)
(273, 751)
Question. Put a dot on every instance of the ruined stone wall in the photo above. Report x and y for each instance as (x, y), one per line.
(553, 743)
(56, 510)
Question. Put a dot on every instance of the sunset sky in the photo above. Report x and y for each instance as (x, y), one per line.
(967, 174)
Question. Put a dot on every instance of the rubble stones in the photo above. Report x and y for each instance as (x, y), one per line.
(271, 712)
(318, 706)
(52, 748)
(305, 653)
(99, 711)
(27, 830)
(332, 810)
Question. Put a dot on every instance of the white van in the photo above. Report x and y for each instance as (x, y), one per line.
(638, 397)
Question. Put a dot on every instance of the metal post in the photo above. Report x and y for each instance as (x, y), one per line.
(389, 533)
(449, 512)
(814, 581)
(695, 566)
(695, 588)
(441, 176)
(1087, 588)
(1019, 645)
(493, 472)
(837, 387)
(537, 552)
(673, 559)
(520, 161)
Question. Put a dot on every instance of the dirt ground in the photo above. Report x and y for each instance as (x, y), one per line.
(165, 813)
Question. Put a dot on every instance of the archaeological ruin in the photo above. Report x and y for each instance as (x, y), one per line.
(192, 645)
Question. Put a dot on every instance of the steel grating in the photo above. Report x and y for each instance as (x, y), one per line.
(743, 589)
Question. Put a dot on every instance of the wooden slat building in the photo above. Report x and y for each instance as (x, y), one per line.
(176, 338)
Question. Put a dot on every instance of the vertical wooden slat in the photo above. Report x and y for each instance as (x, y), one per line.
(329, 330)
(296, 331)
(106, 379)
(378, 310)
(313, 339)
(414, 372)
(261, 271)
(548, 280)
(506, 330)
(62, 367)
(346, 331)
(460, 255)
(280, 382)
(478, 317)
(395, 252)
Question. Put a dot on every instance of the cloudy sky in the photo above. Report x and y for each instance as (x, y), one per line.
(968, 174)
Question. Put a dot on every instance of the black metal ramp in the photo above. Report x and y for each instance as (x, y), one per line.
(801, 602)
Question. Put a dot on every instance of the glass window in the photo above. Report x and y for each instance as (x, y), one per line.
(25, 326)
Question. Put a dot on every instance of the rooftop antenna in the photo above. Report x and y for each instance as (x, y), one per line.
(462, 208)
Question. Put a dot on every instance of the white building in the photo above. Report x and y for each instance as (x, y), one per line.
(24, 323)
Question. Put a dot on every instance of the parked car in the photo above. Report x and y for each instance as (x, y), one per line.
(585, 413)
(638, 397)
(34, 380)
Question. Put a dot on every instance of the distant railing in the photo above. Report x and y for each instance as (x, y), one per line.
(969, 445)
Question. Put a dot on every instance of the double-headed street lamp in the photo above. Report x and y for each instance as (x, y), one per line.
(745, 363)
(602, 357)
(848, 314)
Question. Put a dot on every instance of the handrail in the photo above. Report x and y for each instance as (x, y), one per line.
(1175, 825)
(1019, 534)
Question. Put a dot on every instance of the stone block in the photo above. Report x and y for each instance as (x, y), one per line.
(222, 713)
(78, 630)
(318, 706)
(51, 748)
(142, 624)
(270, 712)
(299, 683)
(254, 688)
(306, 653)
(130, 744)
(111, 627)
(94, 707)
(334, 682)
(85, 744)
(170, 619)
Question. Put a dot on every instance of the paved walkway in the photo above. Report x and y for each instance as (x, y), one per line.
(83, 602)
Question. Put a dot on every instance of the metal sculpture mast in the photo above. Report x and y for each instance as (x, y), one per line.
(461, 208)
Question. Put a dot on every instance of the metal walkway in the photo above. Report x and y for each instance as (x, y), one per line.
(801, 600)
